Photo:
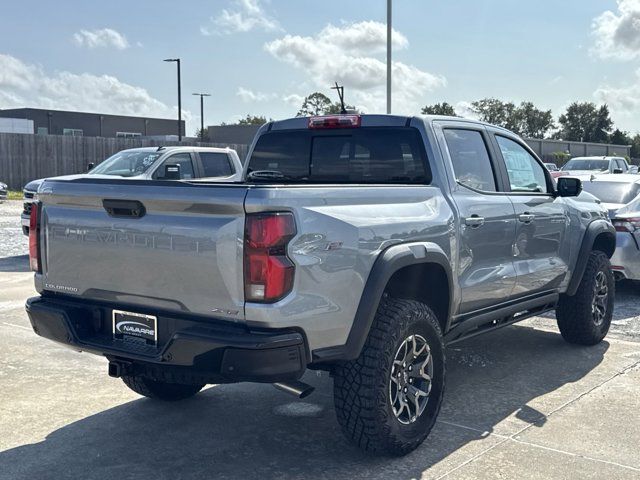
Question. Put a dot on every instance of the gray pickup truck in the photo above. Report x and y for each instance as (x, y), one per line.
(358, 245)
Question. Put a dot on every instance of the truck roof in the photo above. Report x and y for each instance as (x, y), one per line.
(174, 148)
(377, 120)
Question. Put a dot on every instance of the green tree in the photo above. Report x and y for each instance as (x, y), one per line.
(585, 122)
(202, 135)
(253, 120)
(532, 122)
(443, 108)
(635, 146)
(319, 104)
(315, 104)
(619, 137)
(496, 112)
(525, 119)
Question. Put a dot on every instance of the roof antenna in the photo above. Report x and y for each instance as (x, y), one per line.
(340, 91)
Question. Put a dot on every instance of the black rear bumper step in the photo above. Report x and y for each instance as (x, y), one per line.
(212, 350)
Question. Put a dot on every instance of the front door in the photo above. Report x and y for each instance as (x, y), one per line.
(540, 252)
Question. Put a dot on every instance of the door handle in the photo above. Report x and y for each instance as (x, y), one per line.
(474, 221)
(526, 217)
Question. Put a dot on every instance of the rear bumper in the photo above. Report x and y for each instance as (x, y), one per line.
(204, 350)
(625, 261)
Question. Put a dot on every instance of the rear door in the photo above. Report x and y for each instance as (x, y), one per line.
(487, 217)
(540, 253)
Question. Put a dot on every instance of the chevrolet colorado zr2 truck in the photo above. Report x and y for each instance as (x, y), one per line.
(358, 245)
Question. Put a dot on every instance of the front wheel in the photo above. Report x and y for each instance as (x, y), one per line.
(160, 390)
(387, 400)
(585, 318)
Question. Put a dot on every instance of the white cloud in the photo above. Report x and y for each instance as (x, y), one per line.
(249, 96)
(105, 37)
(293, 99)
(465, 109)
(623, 102)
(25, 85)
(246, 15)
(346, 54)
(617, 34)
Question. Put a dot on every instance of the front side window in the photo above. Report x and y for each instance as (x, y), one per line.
(470, 157)
(524, 171)
(215, 164)
(182, 159)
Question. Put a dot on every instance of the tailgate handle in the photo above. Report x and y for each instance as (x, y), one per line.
(124, 208)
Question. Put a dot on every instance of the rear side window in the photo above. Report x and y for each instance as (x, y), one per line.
(366, 155)
(470, 158)
(215, 164)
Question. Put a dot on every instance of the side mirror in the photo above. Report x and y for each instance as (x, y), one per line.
(617, 170)
(90, 166)
(569, 187)
(171, 172)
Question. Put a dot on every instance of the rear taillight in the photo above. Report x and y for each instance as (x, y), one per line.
(268, 272)
(626, 224)
(335, 121)
(34, 237)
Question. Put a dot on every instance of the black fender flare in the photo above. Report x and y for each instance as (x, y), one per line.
(594, 229)
(386, 264)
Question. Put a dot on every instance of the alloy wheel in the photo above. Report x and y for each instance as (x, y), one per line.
(411, 377)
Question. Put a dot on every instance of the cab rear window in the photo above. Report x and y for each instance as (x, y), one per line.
(364, 155)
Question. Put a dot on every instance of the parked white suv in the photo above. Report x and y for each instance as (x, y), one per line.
(586, 165)
(157, 163)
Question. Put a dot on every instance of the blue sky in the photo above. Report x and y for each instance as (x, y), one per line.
(263, 56)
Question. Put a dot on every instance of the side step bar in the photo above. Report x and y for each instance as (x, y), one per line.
(501, 317)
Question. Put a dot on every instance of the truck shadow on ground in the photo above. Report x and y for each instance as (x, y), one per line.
(19, 263)
(255, 431)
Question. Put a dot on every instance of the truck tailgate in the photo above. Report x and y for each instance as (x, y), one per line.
(181, 251)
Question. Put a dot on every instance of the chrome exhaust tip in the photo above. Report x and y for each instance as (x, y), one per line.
(297, 389)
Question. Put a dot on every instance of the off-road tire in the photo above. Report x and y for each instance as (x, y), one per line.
(362, 389)
(576, 319)
(157, 390)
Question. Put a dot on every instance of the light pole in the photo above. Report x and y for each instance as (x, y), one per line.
(389, 33)
(177, 60)
(202, 95)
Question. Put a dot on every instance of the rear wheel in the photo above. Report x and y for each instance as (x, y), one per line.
(160, 390)
(387, 400)
(585, 318)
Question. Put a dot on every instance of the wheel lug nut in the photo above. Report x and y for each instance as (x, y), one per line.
(411, 380)
(405, 390)
(410, 367)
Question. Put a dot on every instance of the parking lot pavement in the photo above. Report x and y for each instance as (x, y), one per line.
(520, 403)
(12, 241)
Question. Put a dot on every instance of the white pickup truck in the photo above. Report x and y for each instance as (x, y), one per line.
(150, 163)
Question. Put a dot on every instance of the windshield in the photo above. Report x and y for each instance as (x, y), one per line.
(586, 164)
(612, 192)
(127, 163)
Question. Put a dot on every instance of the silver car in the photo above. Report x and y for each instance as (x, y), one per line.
(619, 194)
